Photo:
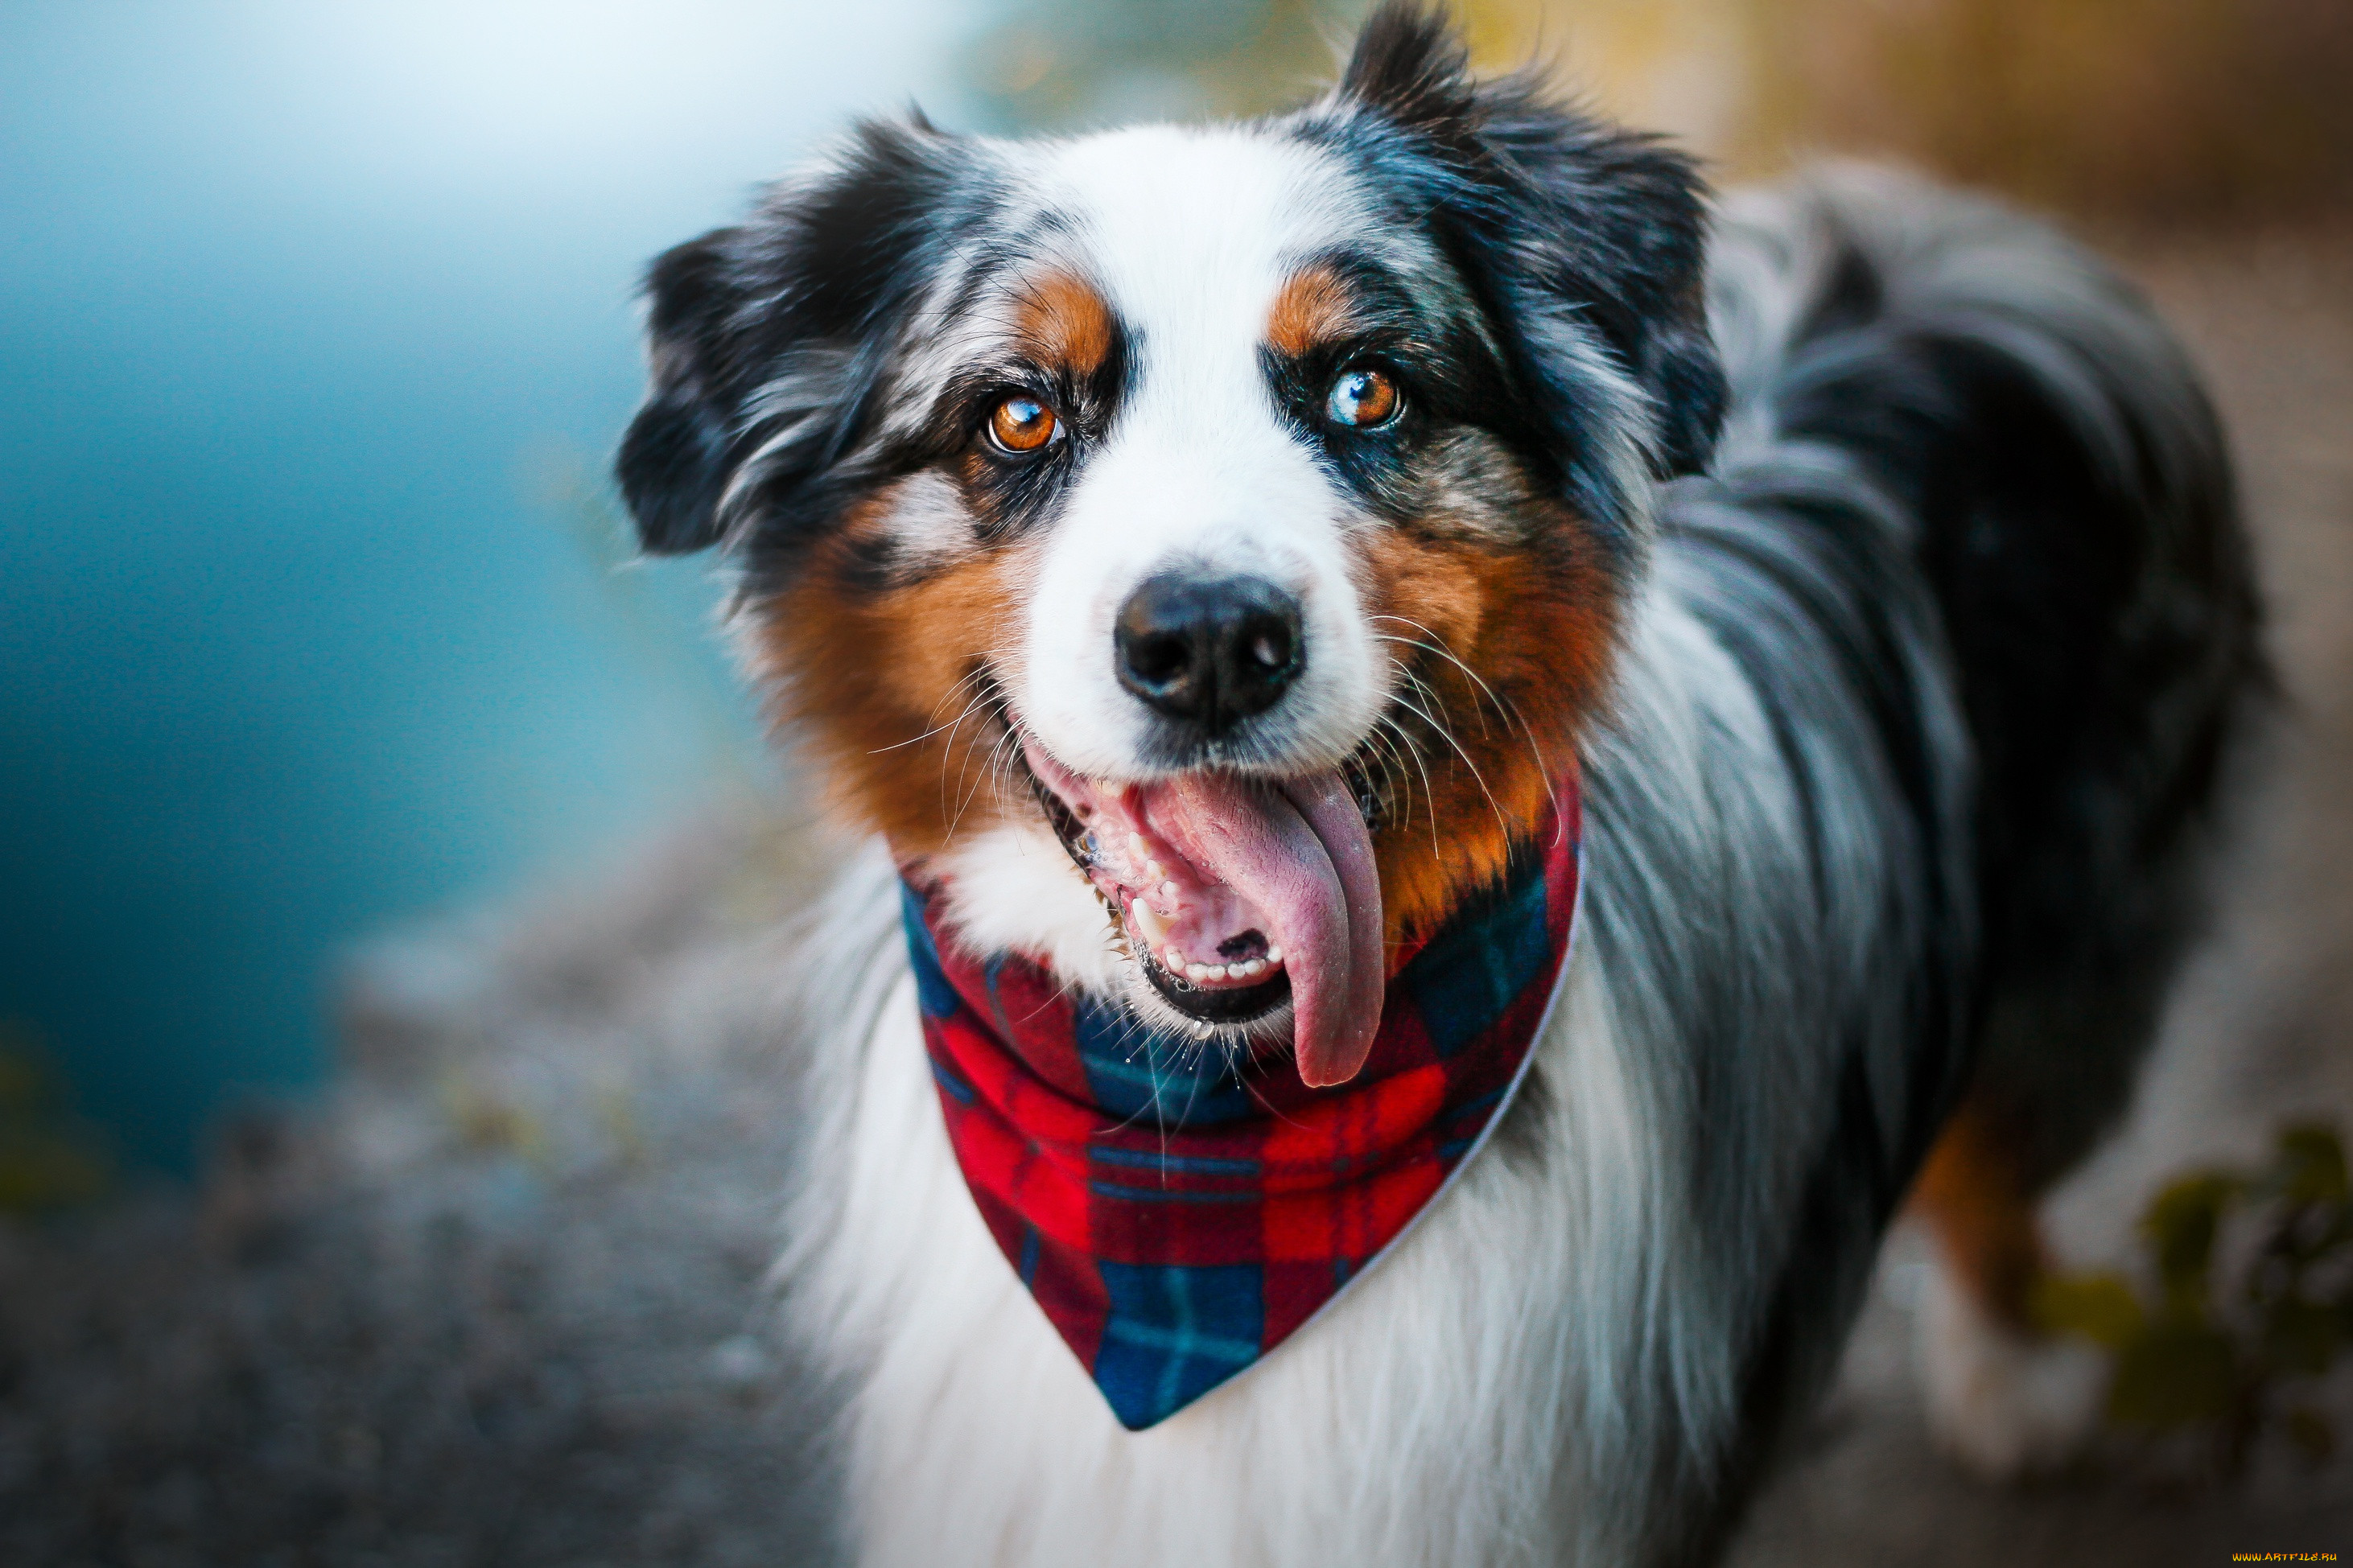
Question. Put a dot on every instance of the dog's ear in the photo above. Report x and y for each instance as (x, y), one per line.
(1556, 212)
(672, 461)
(1409, 63)
(766, 340)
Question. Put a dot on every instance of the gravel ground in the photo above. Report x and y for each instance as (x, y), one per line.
(498, 1299)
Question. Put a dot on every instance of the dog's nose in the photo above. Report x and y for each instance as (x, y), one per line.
(1207, 651)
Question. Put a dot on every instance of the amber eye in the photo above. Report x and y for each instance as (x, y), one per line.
(1022, 424)
(1362, 399)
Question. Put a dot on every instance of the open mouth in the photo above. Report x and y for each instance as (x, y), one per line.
(1238, 895)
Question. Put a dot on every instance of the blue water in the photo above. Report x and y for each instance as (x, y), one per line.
(306, 320)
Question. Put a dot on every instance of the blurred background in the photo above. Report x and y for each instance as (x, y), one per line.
(313, 610)
(365, 808)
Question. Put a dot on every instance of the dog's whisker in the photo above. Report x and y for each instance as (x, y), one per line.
(951, 726)
(979, 703)
(1543, 772)
(978, 699)
(1395, 784)
(1444, 734)
(965, 794)
(1395, 763)
(1429, 792)
(1437, 644)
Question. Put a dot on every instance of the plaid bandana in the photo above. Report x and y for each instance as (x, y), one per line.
(1177, 1215)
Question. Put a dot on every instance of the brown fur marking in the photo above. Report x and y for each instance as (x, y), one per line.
(1973, 1195)
(1537, 626)
(1312, 307)
(1064, 322)
(878, 683)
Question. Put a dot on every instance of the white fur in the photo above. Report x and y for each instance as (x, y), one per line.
(1191, 234)
(1012, 888)
(2001, 1403)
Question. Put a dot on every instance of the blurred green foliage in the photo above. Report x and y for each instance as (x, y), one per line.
(49, 1160)
(2253, 1300)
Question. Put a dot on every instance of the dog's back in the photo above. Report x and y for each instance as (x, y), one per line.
(1923, 371)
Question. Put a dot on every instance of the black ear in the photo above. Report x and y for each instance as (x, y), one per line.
(766, 340)
(1555, 211)
(673, 460)
(1409, 64)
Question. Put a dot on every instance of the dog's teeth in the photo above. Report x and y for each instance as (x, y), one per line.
(1173, 958)
(1197, 971)
(1217, 972)
(1137, 847)
(1273, 955)
(1148, 922)
(1250, 968)
(1168, 892)
(1159, 872)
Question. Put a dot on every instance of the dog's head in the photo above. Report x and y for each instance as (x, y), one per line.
(1249, 508)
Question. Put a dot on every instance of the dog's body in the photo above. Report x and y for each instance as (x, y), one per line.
(1895, 716)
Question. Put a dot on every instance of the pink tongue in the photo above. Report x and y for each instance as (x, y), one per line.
(1300, 852)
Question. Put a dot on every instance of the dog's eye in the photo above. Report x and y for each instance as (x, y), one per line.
(1022, 425)
(1362, 400)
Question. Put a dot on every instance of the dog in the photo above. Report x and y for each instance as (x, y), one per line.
(1466, 759)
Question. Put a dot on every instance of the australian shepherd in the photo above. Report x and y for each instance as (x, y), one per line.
(1475, 768)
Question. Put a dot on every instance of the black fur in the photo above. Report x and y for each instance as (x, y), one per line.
(1543, 210)
(807, 289)
(2030, 488)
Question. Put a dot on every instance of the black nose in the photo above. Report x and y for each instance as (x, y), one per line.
(1207, 651)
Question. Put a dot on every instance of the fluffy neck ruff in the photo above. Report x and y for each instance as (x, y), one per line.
(1178, 1211)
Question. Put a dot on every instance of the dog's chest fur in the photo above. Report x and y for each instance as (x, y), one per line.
(1420, 1421)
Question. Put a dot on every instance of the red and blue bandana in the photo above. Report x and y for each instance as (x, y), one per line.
(1176, 1214)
